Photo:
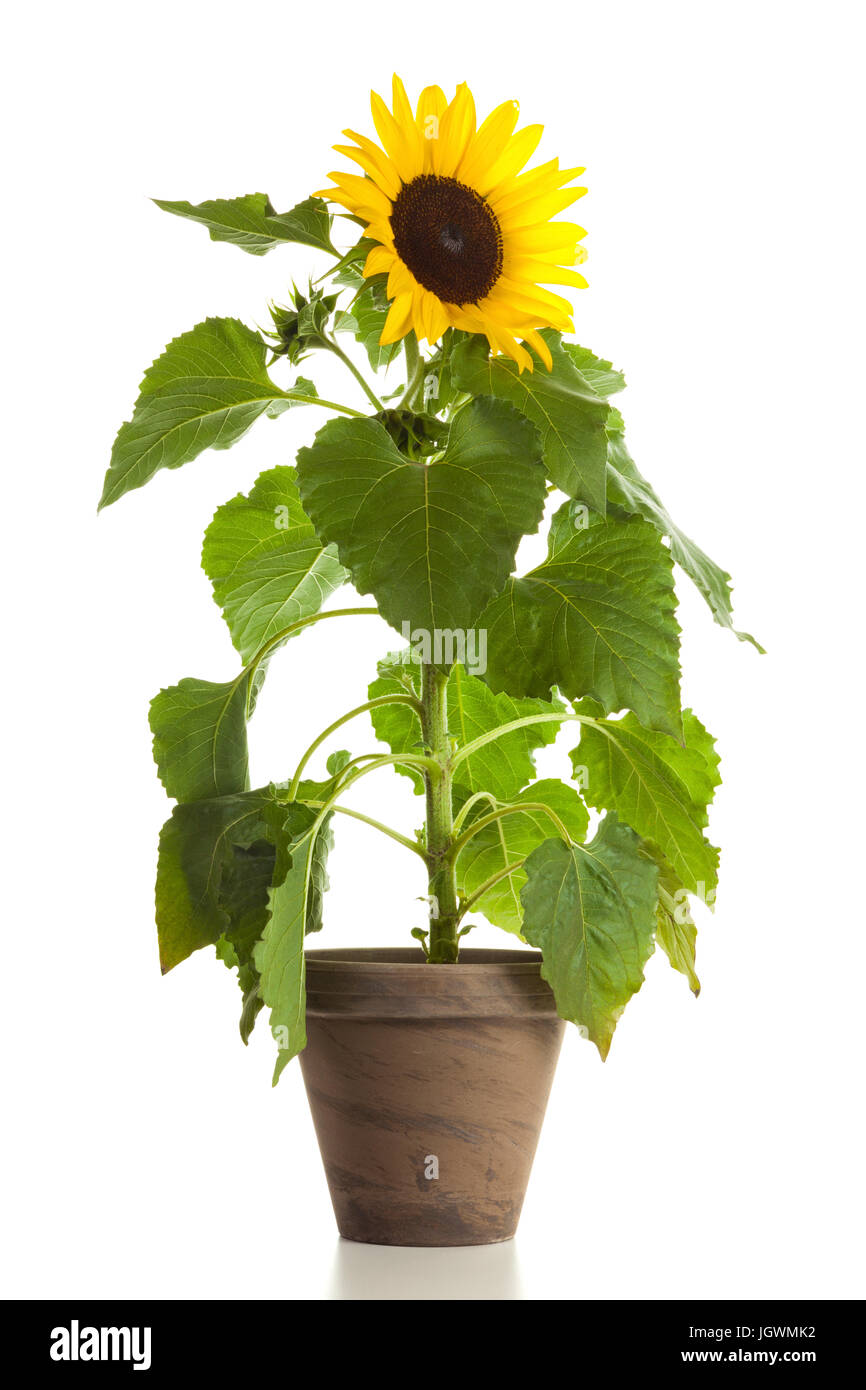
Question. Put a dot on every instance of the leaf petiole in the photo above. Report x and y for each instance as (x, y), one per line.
(344, 719)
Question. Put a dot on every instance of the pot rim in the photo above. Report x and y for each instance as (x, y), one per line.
(397, 983)
(376, 959)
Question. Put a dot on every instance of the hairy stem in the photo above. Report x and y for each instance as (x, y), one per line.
(444, 910)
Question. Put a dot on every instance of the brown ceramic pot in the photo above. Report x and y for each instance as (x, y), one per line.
(428, 1086)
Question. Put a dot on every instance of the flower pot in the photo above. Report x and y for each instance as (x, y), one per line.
(428, 1086)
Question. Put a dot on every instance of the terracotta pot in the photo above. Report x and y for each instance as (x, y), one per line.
(428, 1086)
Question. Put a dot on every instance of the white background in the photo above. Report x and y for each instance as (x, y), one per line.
(718, 1153)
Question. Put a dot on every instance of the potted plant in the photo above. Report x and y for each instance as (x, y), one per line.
(428, 1068)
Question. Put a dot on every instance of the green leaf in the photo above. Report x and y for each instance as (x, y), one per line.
(601, 375)
(432, 541)
(252, 224)
(569, 415)
(500, 768)
(365, 318)
(202, 891)
(658, 786)
(504, 766)
(597, 618)
(591, 911)
(511, 839)
(296, 908)
(200, 738)
(628, 490)
(205, 391)
(266, 563)
(676, 932)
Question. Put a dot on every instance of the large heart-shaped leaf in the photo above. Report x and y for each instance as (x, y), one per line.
(252, 224)
(509, 840)
(568, 413)
(590, 909)
(267, 565)
(659, 786)
(204, 392)
(432, 541)
(597, 619)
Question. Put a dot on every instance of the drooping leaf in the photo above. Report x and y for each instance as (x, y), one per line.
(568, 413)
(432, 541)
(205, 391)
(630, 492)
(501, 767)
(296, 909)
(252, 224)
(660, 787)
(202, 892)
(597, 618)
(511, 839)
(266, 563)
(200, 738)
(602, 376)
(676, 932)
(591, 911)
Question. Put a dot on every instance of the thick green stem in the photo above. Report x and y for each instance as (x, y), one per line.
(444, 908)
(415, 368)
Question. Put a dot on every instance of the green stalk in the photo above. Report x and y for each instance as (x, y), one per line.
(359, 376)
(344, 719)
(415, 368)
(442, 876)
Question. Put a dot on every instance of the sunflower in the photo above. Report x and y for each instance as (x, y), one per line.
(462, 230)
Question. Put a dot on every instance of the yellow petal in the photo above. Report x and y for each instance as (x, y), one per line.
(546, 237)
(533, 184)
(400, 280)
(406, 121)
(488, 144)
(385, 174)
(519, 149)
(540, 209)
(379, 230)
(535, 340)
(431, 107)
(456, 129)
(404, 155)
(399, 320)
(379, 261)
(541, 272)
(365, 192)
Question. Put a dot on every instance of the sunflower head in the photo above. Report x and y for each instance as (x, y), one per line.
(462, 229)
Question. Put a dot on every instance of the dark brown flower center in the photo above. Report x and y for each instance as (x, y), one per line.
(448, 237)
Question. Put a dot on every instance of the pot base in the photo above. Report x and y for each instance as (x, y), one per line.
(428, 1086)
